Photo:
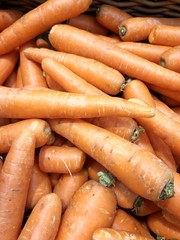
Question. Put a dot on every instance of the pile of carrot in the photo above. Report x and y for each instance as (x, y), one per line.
(89, 124)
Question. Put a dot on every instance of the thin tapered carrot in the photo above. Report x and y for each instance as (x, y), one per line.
(92, 206)
(165, 35)
(8, 16)
(68, 185)
(11, 79)
(138, 28)
(170, 59)
(67, 79)
(110, 16)
(8, 132)
(46, 15)
(100, 75)
(39, 186)
(47, 103)
(14, 183)
(89, 23)
(89, 45)
(44, 220)
(114, 152)
(54, 159)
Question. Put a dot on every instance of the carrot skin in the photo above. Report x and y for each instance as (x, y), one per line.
(8, 16)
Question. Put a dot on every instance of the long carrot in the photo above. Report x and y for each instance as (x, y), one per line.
(14, 183)
(120, 157)
(47, 103)
(92, 206)
(8, 16)
(89, 45)
(46, 15)
(44, 220)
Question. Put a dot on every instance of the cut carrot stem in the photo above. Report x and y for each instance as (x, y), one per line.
(8, 16)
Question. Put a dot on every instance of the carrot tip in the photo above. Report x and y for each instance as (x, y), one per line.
(167, 192)
(122, 31)
(106, 178)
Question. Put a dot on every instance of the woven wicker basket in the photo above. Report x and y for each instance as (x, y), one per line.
(134, 7)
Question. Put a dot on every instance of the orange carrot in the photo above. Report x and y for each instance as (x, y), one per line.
(55, 104)
(14, 183)
(39, 186)
(114, 152)
(19, 83)
(171, 218)
(165, 35)
(73, 40)
(52, 84)
(44, 220)
(68, 185)
(110, 16)
(38, 20)
(138, 28)
(98, 74)
(8, 16)
(54, 159)
(92, 206)
(59, 140)
(143, 141)
(11, 79)
(42, 43)
(8, 132)
(54, 178)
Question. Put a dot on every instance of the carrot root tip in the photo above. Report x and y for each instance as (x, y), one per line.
(122, 31)
(167, 192)
(106, 178)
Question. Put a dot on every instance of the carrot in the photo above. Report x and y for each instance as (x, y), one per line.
(39, 186)
(110, 233)
(8, 16)
(89, 23)
(14, 183)
(169, 59)
(138, 28)
(4, 121)
(89, 45)
(8, 132)
(67, 79)
(110, 16)
(169, 101)
(68, 185)
(171, 218)
(114, 152)
(19, 83)
(44, 220)
(42, 43)
(7, 64)
(55, 104)
(176, 110)
(11, 79)
(161, 227)
(98, 74)
(1, 163)
(165, 35)
(92, 206)
(39, 20)
(54, 159)
(52, 84)
(54, 178)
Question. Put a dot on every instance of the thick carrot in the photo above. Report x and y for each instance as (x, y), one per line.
(144, 142)
(39, 186)
(15, 103)
(73, 40)
(165, 35)
(138, 28)
(110, 16)
(38, 20)
(68, 185)
(161, 227)
(14, 183)
(100, 75)
(8, 16)
(11, 79)
(170, 59)
(114, 152)
(8, 132)
(44, 220)
(54, 159)
(92, 206)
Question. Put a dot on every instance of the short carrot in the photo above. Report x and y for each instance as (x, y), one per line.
(8, 16)
(114, 152)
(44, 220)
(89, 45)
(14, 183)
(92, 206)
(46, 15)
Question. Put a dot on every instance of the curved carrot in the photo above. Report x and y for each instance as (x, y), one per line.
(44, 220)
(114, 152)
(138, 28)
(54, 159)
(56, 104)
(110, 16)
(92, 206)
(46, 15)
(39, 186)
(8, 16)
(14, 183)
(165, 35)
(68, 185)
(73, 40)
(8, 132)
